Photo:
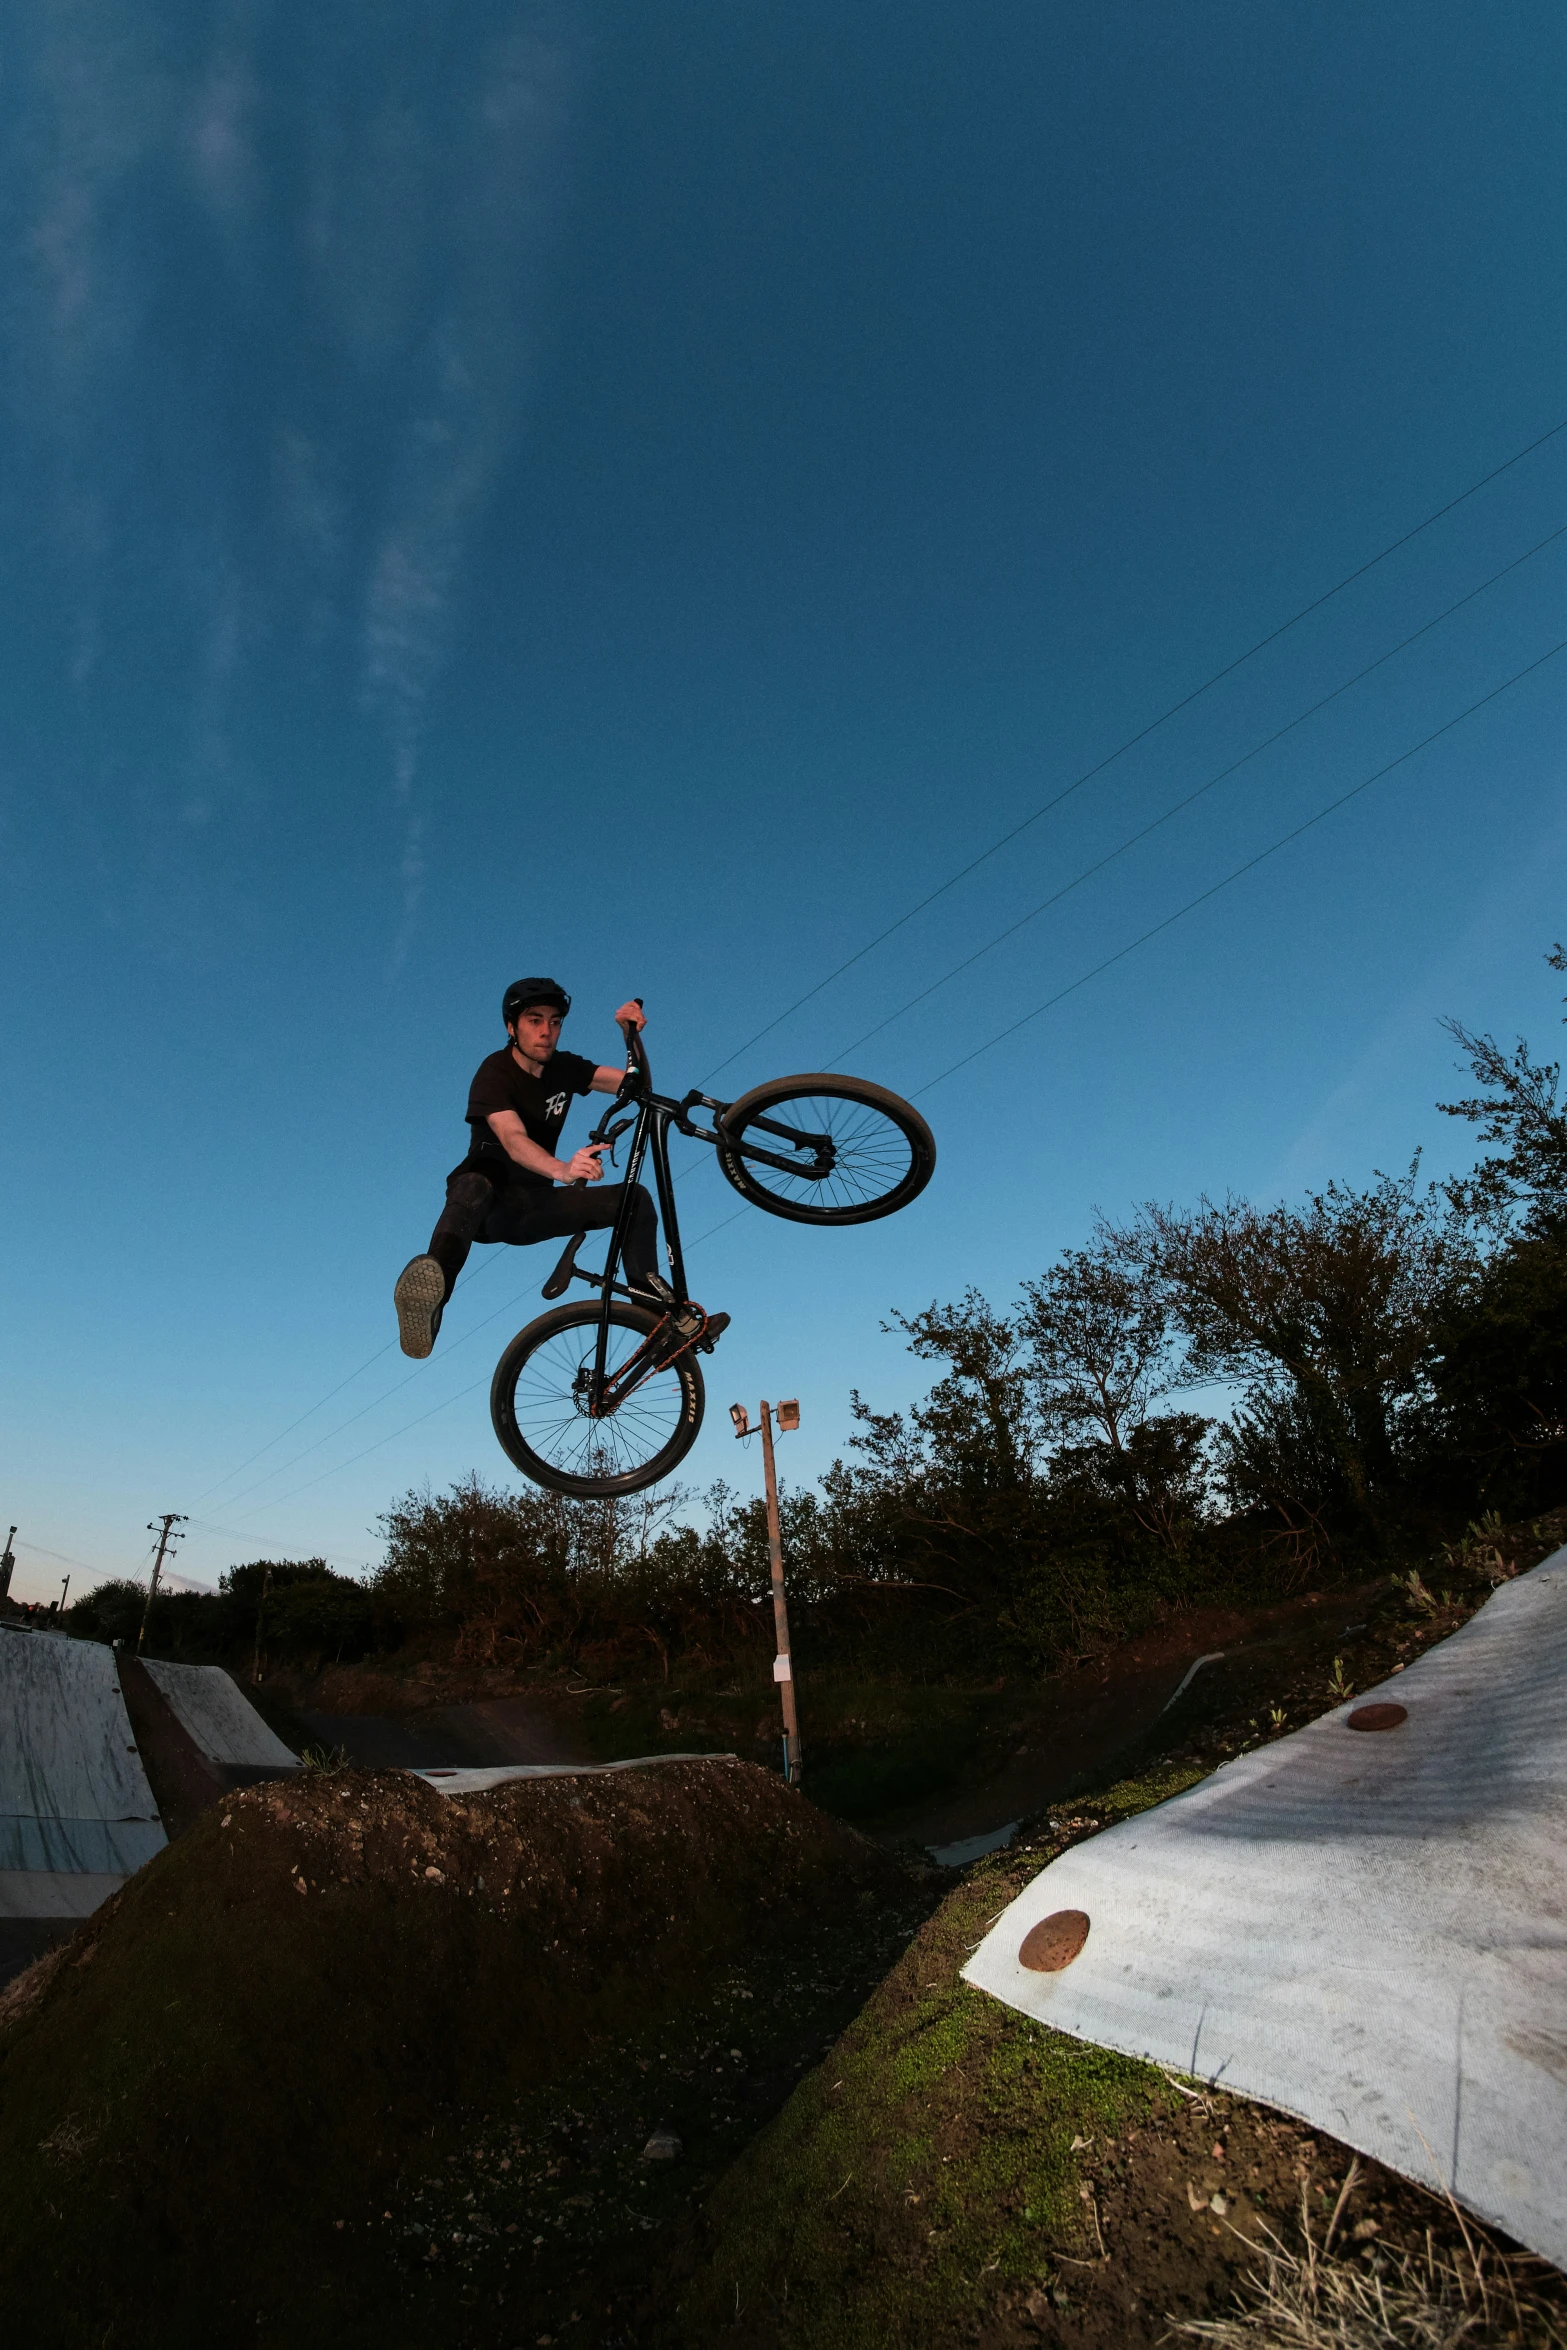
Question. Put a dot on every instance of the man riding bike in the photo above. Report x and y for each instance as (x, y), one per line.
(508, 1186)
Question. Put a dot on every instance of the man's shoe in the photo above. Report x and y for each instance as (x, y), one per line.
(717, 1324)
(684, 1317)
(419, 1297)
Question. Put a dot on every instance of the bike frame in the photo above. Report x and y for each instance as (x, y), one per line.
(654, 1115)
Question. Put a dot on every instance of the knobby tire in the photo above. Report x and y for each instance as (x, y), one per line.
(886, 1154)
(535, 1409)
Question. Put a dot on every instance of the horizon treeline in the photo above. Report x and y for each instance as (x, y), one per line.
(1393, 1361)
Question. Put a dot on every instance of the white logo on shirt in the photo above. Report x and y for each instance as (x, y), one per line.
(555, 1107)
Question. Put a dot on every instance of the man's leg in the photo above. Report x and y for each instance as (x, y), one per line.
(426, 1282)
(469, 1198)
(553, 1215)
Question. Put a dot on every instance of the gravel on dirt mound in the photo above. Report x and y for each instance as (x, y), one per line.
(243, 2052)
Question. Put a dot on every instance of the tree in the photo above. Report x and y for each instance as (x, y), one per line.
(1323, 1314)
(1518, 1107)
(1097, 1329)
(976, 1420)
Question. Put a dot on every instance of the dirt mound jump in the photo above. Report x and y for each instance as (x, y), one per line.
(247, 2046)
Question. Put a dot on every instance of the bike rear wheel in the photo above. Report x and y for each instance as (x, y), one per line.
(538, 1405)
(846, 1151)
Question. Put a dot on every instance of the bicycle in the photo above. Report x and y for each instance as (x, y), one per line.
(582, 1400)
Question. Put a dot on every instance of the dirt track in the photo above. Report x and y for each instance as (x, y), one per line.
(319, 1984)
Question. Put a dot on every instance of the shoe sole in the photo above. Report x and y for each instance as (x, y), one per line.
(419, 1296)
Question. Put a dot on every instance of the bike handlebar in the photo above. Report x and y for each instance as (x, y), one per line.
(636, 1050)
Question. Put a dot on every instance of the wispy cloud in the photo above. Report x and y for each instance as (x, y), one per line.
(276, 292)
(489, 222)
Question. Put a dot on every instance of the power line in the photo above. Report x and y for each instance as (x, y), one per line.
(1250, 864)
(719, 1227)
(319, 1405)
(299, 1423)
(1247, 866)
(1141, 736)
(1185, 702)
(395, 1389)
(233, 1534)
(276, 1504)
(64, 1559)
(1191, 797)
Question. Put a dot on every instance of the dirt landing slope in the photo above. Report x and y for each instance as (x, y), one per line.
(958, 2174)
(206, 2093)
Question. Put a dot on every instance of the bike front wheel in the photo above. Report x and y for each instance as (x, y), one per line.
(540, 1396)
(825, 1149)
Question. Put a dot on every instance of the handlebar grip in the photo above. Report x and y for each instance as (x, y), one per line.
(634, 1046)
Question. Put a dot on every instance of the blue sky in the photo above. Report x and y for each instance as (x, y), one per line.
(648, 495)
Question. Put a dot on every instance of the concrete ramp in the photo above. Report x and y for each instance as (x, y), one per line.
(1364, 1924)
(199, 1735)
(77, 1816)
(218, 1719)
(73, 1795)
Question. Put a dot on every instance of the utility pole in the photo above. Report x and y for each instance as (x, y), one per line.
(7, 1565)
(160, 1527)
(64, 1588)
(261, 1607)
(783, 1662)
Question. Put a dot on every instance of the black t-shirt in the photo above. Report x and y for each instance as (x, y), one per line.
(540, 1102)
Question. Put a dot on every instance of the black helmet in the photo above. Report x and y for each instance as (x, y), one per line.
(524, 993)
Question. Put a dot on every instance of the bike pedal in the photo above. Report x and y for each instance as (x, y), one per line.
(716, 1326)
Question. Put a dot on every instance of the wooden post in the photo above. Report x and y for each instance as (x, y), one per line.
(261, 1605)
(783, 1663)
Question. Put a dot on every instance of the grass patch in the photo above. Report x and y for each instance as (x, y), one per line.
(1431, 2301)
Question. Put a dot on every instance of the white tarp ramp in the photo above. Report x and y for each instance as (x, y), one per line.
(219, 1719)
(76, 1813)
(1364, 1924)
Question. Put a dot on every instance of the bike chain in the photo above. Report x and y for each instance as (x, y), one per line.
(662, 1364)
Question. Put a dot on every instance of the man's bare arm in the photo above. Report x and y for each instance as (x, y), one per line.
(582, 1167)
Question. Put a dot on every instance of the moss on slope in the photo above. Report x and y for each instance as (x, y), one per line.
(931, 2163)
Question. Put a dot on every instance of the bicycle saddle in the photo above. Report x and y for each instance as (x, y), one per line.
(560, 1280)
